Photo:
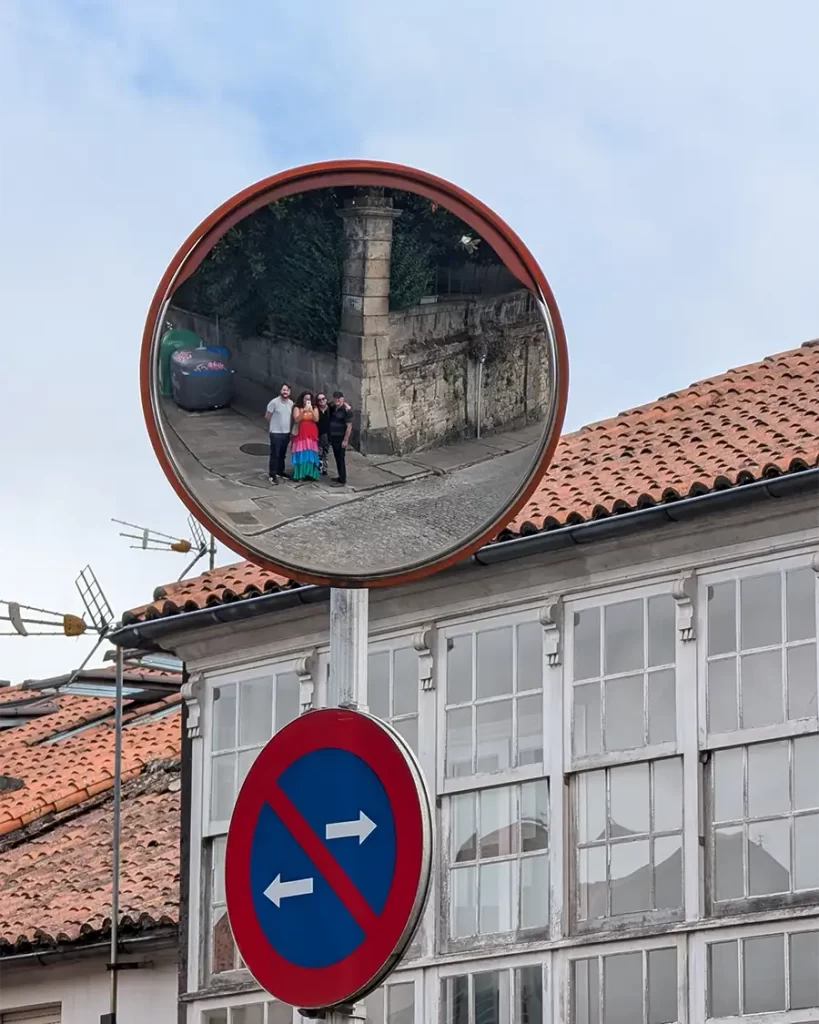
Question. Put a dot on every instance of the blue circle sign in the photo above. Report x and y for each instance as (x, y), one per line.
(328, 858)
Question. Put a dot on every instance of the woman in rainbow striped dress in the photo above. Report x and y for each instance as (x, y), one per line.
(304, 448)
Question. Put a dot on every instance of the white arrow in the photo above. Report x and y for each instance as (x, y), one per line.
(279, 890)
(347, 829)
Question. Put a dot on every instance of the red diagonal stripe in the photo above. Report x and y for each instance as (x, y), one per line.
(326, 864)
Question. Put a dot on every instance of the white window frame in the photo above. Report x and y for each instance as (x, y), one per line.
(741, 571)
(212, 827)
(436, 1004)
(479, 780)
(698, 955)
(549, 768)
(564, 969)
(710, 742)
(650, 752)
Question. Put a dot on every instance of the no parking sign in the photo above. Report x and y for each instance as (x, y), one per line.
(328, 858)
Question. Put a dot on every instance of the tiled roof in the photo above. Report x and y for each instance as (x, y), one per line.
(55, 844)
(752, 422)
(56, 887)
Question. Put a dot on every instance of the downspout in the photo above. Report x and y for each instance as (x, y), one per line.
(479, 400)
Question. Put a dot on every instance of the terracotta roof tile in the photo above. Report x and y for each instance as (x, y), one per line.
(752, 422)
(57, 887)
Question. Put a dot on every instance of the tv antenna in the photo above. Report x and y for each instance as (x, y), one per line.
(154, 540)
(22, 617)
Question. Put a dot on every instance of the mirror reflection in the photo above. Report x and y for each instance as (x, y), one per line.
(352, 382)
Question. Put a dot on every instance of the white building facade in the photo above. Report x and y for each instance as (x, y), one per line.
(619, 730)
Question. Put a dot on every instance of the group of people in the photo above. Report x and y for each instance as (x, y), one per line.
(311, 430)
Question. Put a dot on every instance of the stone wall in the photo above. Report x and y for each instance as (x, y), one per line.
(416, 385)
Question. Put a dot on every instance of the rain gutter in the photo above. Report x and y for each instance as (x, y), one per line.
(146, 635)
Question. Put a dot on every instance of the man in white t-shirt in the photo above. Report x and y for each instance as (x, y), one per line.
(279, 418)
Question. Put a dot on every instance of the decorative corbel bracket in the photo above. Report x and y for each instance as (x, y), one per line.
(305, 667)
(192, 696)
(424, 643)
(684, 590)
(551, 618)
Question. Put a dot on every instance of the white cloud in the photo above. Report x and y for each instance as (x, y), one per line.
(660, 161)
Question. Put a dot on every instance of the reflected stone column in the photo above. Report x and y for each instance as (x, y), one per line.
(366, 374)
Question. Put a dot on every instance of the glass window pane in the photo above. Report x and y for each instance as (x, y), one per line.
(494, 662)
(662, 629)
(464, 901)
(214, 1017)
(222, 792)
(498, 822)
(622, 988)
(768, 779)
(463, 828)
(378, 684)
(722, 630)
(805, 772)
(279, 1013)
(804, 970)
(287, 699)
(401, 1003)
(246, 759)
(769, 857)
(587, 728)
(723, 979)
(760, 611)
(408, 728)
(529, 995)
(491, 994)
(662, 706)
(586, 991)
(534, 892)
(802, 681)
(405, 681)
(800, 590)
(587, 644)
(761, 689)
(728, 781)
(624, 728)
(224, 717)
(806, 852)
(374, 1005)
(667, 794)
(223, 949)
(459, 742)
(497, 897)
(763, 973)
(629, 812)
(255, 712)
(252, 1013)
(591, 806)
(630, 877)
(530, 729)
(494, 732)
(459, 670)
(456, 998)
(722, 695)
(623, 637)
(218, 870)
(662, 986)
(729, 857)
(592, 890)
(534, 816)
(530, 656)
(668, 873)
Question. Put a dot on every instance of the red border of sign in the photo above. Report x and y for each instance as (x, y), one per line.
(337, 173)
(364, 736)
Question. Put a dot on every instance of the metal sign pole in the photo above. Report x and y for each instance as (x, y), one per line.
(114, 965)
(347, 688)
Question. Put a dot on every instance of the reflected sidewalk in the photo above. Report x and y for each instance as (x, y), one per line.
(209, 448)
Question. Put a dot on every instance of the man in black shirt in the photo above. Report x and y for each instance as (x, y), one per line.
(341, 426)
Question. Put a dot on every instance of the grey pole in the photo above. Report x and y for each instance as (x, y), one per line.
(114, 965)
(347, 688)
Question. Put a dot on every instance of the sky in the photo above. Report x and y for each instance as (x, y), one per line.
(660, 160)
